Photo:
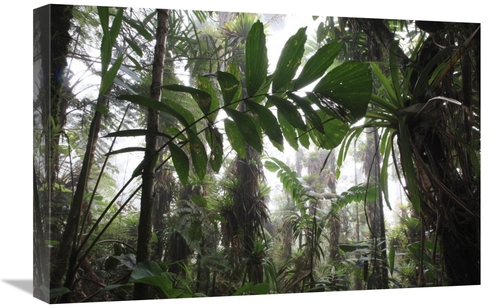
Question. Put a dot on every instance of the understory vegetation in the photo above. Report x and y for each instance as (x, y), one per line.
(175, 156)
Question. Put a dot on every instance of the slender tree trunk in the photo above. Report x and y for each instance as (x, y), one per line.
(375, 211)
(147, 201)
(68, 242)
(383, 245)
(334, 222)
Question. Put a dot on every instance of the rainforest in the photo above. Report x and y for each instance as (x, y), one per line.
(185, 153)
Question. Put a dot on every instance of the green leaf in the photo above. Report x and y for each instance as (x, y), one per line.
(415, 249)
(205, 84)
(140, 28)
(352, 247)
(288, 111)
(136, 133)
(392, 257)
(234, 70)
(392, 101)
(128, 260)
(304, 139)
(134, 47)
(289, 132)
(203, 99)
(105, 43)
(161, 282)
(251, 288)
(110, 75)
(247, 127)
(268, 123)
(309, 112)
(200, 200)
(229, 86)
(256, 59)
(51, 243)
(393, 62)
(198, 154)
(407, 164)
(180, 111)
(154, 104)
(385, 150)
(145, 269)
(115, 27)
(289, 60)
(103, 12)
(334, 132)
(214, 138)
(272, 167)
(317, 64)
(127, 150)
(383, 104)
(349, 85)
(235, 138)
(60, 291)
(180, 161)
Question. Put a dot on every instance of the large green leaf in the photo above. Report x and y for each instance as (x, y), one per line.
(393, 62)
(109, 37)
(391, 101)
(385, 150)
(309, 112)
(154, 104)
(392, 257)
(234, 70)
(205, 85)
(288, 111)
(350, 85)
(407, 164)
(145, 269)
(256, 59)
(229, 86)
(268, 122)
(203, 99)
(115, 27)
(60, 291)
(289, 60)
(126, 150)
(271, 166)
(214, 138)
(137, 133)
(317, 64)
(334, 132)
(248, 129)
(198, 154)
(105, 43)
(185, 115)
(235, 138)
(134, 47)
(150, 273)
(110, 75)
(289, 132)
(140, 28)
(180, 161)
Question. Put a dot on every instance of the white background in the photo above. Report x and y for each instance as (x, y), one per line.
(16, 151)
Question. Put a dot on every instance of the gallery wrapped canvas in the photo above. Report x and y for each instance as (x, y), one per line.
(188, 153)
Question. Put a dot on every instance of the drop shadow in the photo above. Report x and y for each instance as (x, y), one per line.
(22, 284)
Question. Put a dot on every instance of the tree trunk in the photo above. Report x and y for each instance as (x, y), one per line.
(375, 211)
(147, 201)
